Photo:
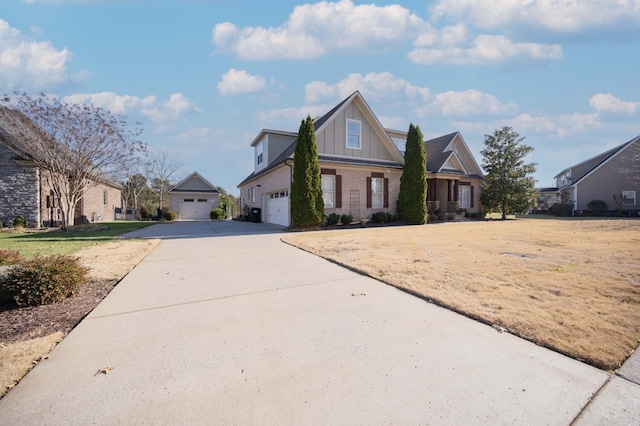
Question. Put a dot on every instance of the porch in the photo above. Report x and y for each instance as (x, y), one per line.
(450, 194)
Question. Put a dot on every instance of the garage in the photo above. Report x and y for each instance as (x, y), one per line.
(194, 198)
(278, 208)
(193, 208)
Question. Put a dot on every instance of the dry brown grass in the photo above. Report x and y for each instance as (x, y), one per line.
(569, 285)
(18, 358)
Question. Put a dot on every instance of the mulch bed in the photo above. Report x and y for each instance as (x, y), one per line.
(34, 321)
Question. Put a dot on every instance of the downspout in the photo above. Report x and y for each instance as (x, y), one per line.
(290, 185)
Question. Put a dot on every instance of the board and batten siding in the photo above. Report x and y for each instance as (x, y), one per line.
(277, 145)
(332, 139)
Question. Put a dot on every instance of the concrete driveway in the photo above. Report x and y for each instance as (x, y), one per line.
(225, 324)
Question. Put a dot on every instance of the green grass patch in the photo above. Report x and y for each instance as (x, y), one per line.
(49, 242)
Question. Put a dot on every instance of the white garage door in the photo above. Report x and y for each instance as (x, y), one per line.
(278, 208)
(194, 209)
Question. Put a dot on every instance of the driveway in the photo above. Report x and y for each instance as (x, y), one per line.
(224, 324)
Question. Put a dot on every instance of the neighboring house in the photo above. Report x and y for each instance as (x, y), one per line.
(602, 177)
(194, 198)
(453, 175)
(360, 166)
(546, 197)
(24, 191)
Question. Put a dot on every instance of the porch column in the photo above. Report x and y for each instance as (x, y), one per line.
(449, 190)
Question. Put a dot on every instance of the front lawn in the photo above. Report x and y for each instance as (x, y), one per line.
(47, 242)
(569, 285)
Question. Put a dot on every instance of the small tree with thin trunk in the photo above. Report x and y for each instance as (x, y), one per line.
(412, 199)
(307, 206)
(75, 146)
(508, 187)
(162, 170)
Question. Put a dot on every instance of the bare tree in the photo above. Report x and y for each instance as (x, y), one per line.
(135, 182)
(163, 169)
(75, 146)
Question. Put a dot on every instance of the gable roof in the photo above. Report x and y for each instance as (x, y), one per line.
(440, 153)
(209, 187)
(583, 169)
(318, 125)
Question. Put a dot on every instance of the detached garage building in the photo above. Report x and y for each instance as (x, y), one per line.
(194, 198)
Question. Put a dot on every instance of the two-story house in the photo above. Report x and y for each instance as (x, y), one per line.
(602, 177)
(361, 164)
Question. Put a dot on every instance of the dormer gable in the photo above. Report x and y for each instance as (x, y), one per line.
(268, 145)
(352, 130)
(453, 164)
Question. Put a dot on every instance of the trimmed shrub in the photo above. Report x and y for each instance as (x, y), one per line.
(45, 279)
(346, 219)
(170, 215)
(560, 209)
(19, 222)
(381, 217)
(9, 257)
(333, 219)
(145, 213)
(217, 213)
(598, 206)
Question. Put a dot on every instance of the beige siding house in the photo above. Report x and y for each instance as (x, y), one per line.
(194, 197)
(606, 177)
(361, 164)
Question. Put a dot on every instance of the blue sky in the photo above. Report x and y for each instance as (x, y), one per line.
(204, 76)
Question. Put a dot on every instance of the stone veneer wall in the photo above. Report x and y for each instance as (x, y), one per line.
(18, 190)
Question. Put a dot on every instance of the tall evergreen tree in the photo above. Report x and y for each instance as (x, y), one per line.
(508, 186)
(412, 200)
(307, 206)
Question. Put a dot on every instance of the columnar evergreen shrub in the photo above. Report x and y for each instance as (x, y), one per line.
(307, 205)
(412, 199)
(45, 279)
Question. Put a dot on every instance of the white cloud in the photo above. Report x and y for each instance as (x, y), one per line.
(563, 126)
(378, 87)
(606, 102)
(469, 102)
(484, 49)
(236, 82)
(26, 64)
(115, 103)
(558, 16)
(289, 118)
(314, 30)
(176, 106)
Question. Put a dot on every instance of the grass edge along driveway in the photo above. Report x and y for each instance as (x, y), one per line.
(572, 286)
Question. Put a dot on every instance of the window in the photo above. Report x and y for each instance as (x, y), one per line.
(354, 128)
(464, 196)
(259, 153)
(629, 198)
(329, 191)
(105, 197)
(202, 200)
(188, 200)
(252, 194)
(377, 193)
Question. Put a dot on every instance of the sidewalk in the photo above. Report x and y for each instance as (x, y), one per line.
(224, 324)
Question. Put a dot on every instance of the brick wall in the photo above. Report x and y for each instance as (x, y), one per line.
(18, 190)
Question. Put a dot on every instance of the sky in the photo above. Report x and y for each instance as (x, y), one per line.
(203, 77)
